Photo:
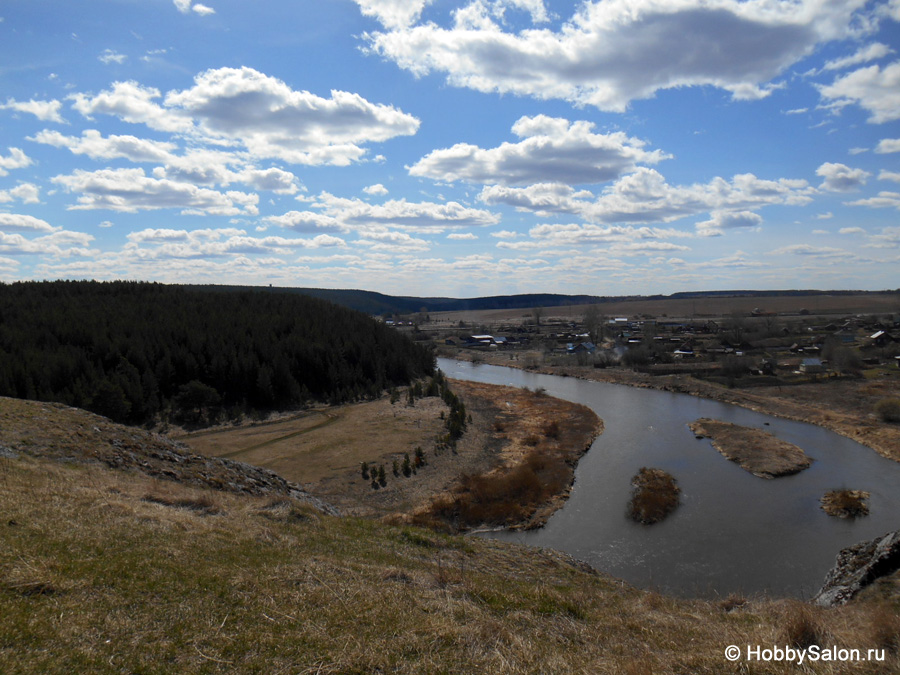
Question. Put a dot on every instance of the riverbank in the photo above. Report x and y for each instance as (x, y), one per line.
(539, 440)
(511, 433)
(843, 406)
(755, 450)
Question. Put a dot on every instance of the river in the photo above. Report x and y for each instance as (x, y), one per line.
(733, 532)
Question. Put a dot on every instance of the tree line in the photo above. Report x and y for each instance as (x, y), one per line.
(140, 352)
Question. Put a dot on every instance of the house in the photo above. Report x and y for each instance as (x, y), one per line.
(881, 338)
(811, 366)
(581, 348)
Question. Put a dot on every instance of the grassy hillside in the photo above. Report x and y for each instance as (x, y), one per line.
(111, 571)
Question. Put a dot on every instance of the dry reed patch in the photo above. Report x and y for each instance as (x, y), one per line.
(846, 503)
(540, 440)
(755, 450)
(655, 495)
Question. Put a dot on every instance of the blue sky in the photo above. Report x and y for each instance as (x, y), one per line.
(468, 148)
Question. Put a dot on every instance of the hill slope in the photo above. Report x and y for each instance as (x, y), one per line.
(110, 571)
(134, 351)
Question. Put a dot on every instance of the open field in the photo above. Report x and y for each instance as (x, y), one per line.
(324, 449)
(867, 303)
(105, 571)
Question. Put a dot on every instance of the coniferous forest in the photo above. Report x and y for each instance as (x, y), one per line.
(141, 352)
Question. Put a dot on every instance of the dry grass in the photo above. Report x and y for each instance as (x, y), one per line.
(539, 440)
(94, 578)
(846, 503)
(656, 494)
(329, 442)
(505, 497)
(757, 451)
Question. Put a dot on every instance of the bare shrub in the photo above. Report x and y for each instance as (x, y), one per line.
(886, 629)
(551, 429)
(655, 495)
(733, 602)
(500, 497)
(801, 627)
(846, 503)
(888, 410)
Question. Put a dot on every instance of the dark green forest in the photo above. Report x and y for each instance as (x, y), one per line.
(142, 352)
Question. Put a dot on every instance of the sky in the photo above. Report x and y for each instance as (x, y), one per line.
(453, 148)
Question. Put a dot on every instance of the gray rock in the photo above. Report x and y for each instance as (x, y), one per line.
(857, 567)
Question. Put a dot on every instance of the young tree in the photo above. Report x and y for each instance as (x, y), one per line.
(407, 467)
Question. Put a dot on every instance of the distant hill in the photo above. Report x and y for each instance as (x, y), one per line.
(379, 304)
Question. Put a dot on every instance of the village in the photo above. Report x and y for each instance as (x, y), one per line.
(754, 348)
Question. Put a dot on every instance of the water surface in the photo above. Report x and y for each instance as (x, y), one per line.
(733, 532)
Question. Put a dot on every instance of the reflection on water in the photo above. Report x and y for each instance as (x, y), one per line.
(733, 532)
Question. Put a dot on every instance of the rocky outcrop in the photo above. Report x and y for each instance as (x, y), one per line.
(857, 567)
(69, 434)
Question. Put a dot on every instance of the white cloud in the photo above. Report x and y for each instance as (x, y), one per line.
(27, 193)
(553, 150)
(505, 234)
(305, 221)
(271, 120)
(111, 56)
(581, 234)
(16, 160)
(889, 237)
(813, 251)
(15, 222)
(272, 179)
(851, 230)
(59, 243)
(385, 240)
(132, 103)
(376, 190)
(212, 243)
(393, 13)
(841, 178)
(825, 216)
(462, 236)
(645, 197)
(615, 51)
(889, 175)
(130, 190)
(884, 200)
(355, 214)
(865, 54)
(727, 220)
(47, 111)
(94, 145)
(184, 6)
(875, 89)
(888, 145)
